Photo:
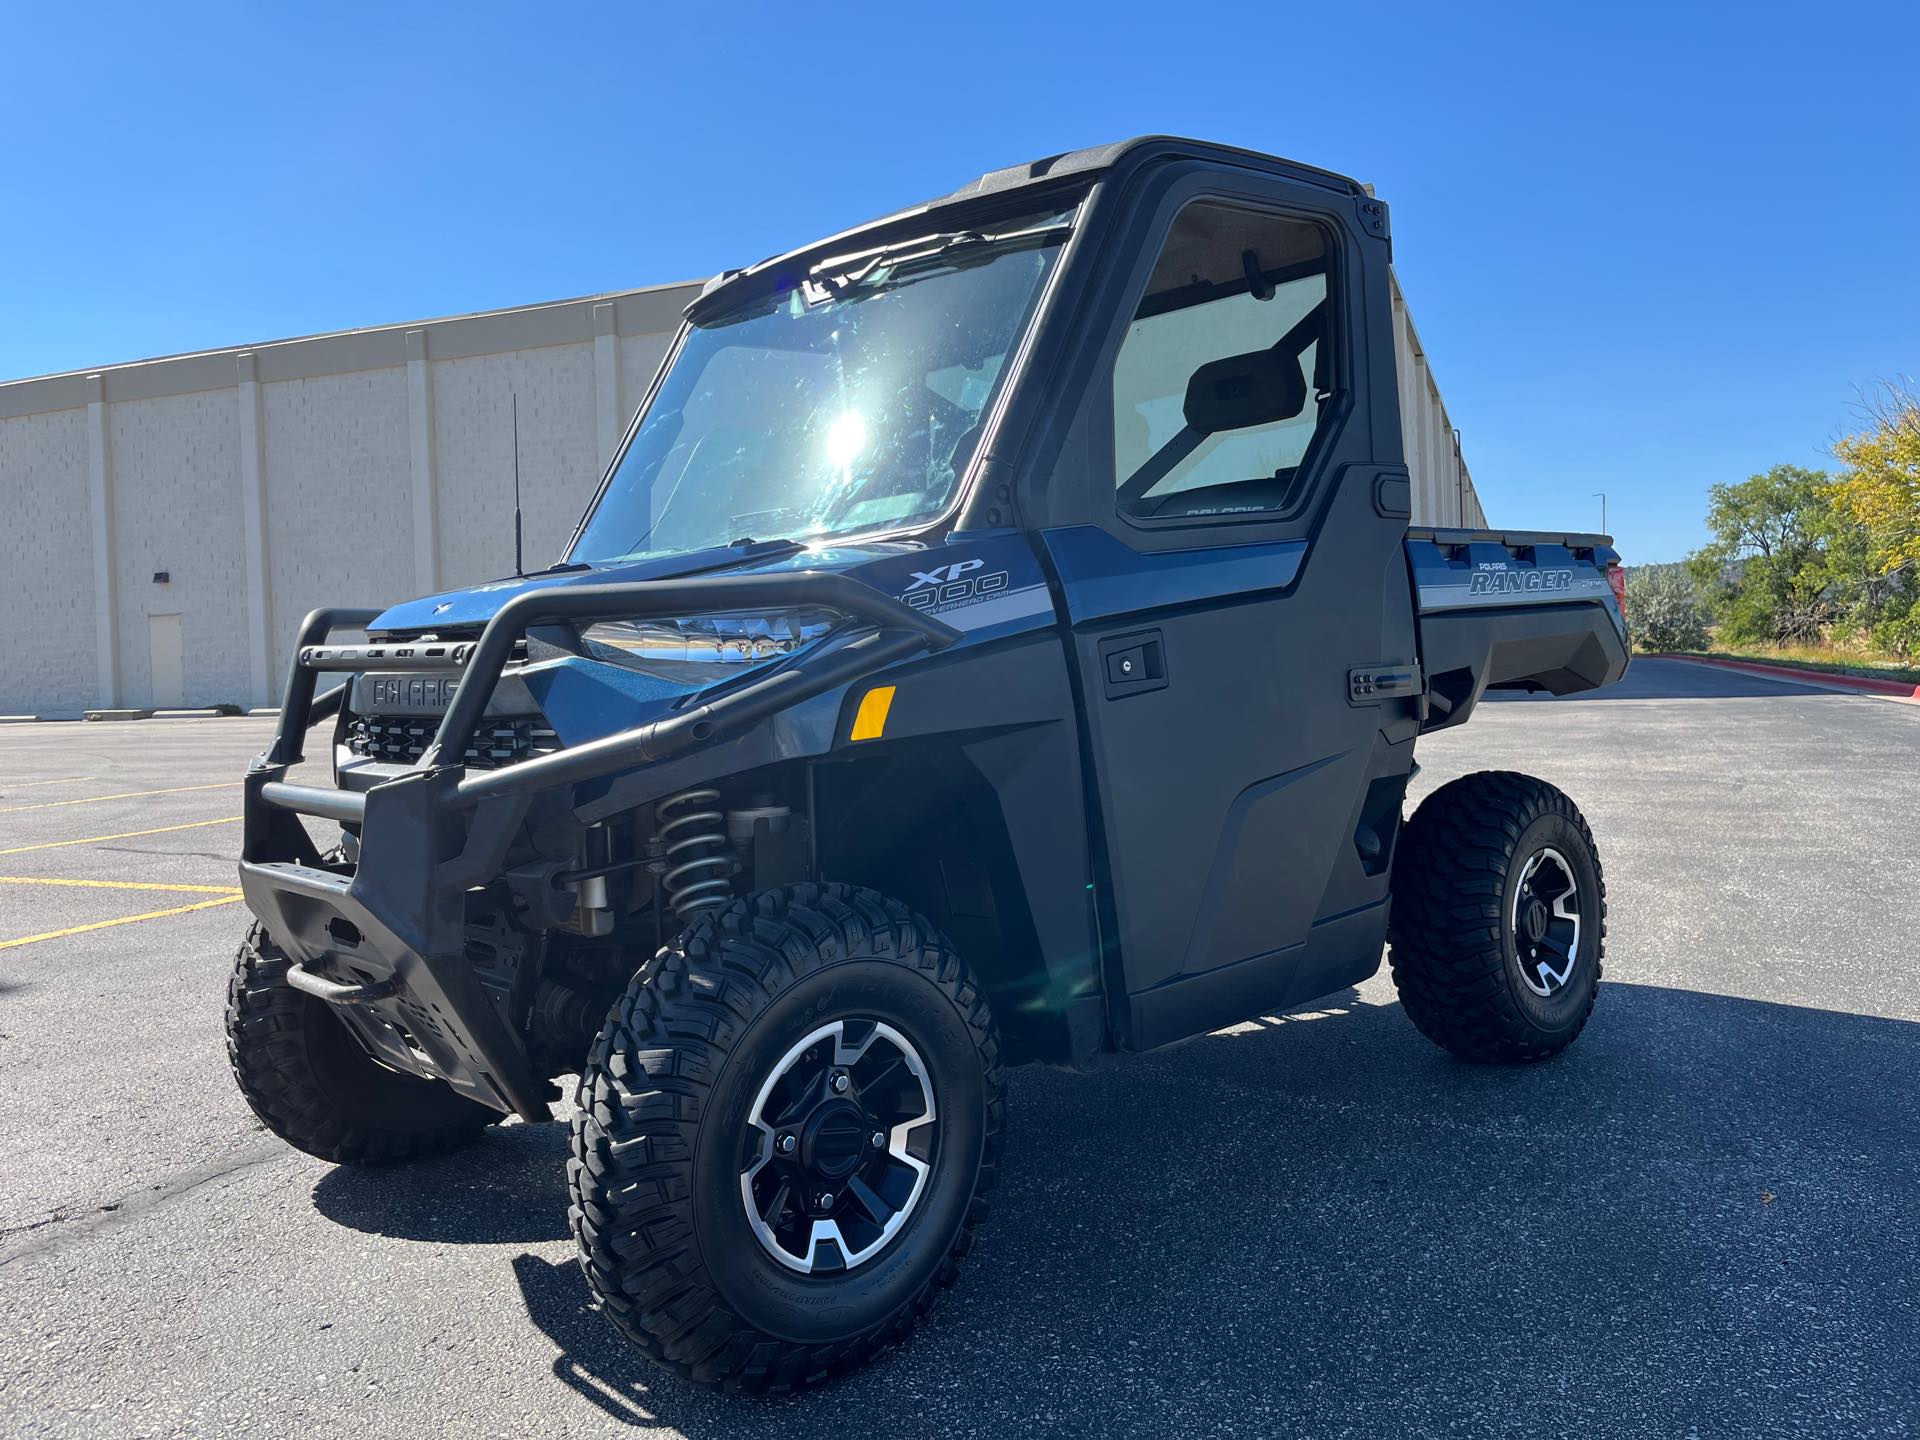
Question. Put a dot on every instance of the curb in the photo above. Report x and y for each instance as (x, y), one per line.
(190, 712)
(1819, 679)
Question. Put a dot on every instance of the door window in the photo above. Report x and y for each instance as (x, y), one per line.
(1224, 377)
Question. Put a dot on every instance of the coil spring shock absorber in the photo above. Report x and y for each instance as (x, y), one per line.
(692, 834)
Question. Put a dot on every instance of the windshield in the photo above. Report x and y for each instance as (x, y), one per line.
(851, 402)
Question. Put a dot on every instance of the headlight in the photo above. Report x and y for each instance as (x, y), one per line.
(691, 649)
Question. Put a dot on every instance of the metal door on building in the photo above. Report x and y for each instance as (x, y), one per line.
(166, 662)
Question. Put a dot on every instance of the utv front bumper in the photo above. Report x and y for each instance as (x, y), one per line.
(384, 938)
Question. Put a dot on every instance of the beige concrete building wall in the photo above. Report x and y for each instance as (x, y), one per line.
(46, 584)
(560, 461)
(330, 438)
(176, 478)
(262, 481)
(1443, 493)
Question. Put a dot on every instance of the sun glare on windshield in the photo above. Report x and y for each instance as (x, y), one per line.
(846, 438)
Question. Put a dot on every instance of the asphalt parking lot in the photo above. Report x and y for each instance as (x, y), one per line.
(1702, 1220)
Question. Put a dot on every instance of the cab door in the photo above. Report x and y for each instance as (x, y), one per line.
(1238, 577)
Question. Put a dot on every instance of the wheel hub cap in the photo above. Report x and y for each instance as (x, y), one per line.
(834, 1140)
(838, 1147)
(1536, 923)
(1546, 922)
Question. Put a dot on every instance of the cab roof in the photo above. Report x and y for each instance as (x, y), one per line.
(1053, 173)
(1097, 158)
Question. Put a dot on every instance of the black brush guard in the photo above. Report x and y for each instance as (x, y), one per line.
(391, 934)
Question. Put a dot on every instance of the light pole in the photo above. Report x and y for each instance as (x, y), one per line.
(1602, 496)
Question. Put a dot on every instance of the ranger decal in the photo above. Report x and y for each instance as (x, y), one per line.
(1511, 582)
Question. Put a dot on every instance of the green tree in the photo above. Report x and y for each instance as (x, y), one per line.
(1880, 493)
(1784, 562)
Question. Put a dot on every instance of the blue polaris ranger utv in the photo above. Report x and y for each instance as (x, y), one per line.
(999, 638)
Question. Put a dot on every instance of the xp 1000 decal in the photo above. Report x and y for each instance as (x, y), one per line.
(995, 587)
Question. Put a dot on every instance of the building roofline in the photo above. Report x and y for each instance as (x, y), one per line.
(648, 310)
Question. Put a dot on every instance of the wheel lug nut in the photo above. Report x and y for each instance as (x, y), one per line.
(826, 1202)
(784, 1144)
(839, 1084)
(879, 1140)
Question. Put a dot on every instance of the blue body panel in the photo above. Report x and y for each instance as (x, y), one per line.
(462, 609)
(986, 584)
(586, 699)
(1105, 579)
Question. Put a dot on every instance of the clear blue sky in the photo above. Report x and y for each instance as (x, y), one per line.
(1648, 246)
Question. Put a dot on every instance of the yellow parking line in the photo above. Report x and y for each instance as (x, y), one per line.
(121, 885)
(123, 920)
(122, 835)
(31, 784)
(123, 795)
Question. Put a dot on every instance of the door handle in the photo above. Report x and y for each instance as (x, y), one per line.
(1133, 664)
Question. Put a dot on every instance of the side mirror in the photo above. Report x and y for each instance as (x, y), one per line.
(1241, 391)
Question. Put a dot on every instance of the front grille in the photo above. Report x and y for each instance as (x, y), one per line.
(402, 739)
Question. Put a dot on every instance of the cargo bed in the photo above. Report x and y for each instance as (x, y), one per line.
(1513, 610)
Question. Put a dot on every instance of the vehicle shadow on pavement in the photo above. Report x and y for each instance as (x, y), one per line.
(1701, 1216)
(509, 1189)
(1671, 680)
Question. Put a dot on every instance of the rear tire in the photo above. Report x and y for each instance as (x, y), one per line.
(312, 1084)
(1499, 919)
(825, 1018)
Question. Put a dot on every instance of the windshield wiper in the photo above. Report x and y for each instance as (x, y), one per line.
(879, 268)
(743, 294)
(747, 545)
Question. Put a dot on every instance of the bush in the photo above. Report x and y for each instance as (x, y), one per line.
(1663, 610)
(1897, 630)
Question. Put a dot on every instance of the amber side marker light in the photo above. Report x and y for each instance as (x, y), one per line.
(870, 723)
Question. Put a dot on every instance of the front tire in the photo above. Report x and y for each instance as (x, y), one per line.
(787, 1131)
(312, 1084)
(1499, 919)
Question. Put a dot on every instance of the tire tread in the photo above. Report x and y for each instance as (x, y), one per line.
(274, 1067)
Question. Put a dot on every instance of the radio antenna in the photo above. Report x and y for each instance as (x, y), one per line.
(519, 562)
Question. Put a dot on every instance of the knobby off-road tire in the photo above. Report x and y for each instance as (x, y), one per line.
(313, 1085)
(665, 1135)
(1480, 970)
